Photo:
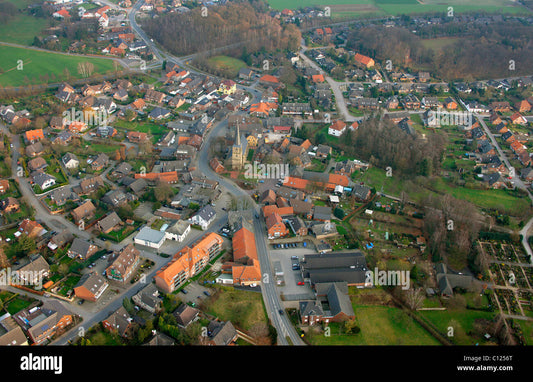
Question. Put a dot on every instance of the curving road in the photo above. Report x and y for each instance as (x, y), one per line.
(271, 298)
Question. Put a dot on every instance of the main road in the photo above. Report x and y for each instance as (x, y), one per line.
(284, 327)
(271, 298)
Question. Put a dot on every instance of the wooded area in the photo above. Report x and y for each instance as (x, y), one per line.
(238, 24)
(480, 52)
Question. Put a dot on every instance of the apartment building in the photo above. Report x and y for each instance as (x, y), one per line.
(188, 262)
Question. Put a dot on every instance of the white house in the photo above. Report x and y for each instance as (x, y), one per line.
(337, 128)
(70, 161)
(43, 180)
(204, 217)
(178, 231)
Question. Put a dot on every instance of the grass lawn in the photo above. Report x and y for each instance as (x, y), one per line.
(22, 28)
(15, 304)
(527, 330)
(461, 320)
(153, 129)
(436, 44)
(491, 199)
(228, 64)
(244, 309)
(43, 67)
(380, 325)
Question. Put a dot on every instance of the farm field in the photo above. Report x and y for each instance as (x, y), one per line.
(341, 8)
(22, 28)
(40, 67)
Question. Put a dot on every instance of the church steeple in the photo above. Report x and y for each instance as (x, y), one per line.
(238, 137)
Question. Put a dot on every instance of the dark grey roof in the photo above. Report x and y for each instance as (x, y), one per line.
(80, 247)
(207, 213)
(221, 333)
(311, 308)
(333, 267)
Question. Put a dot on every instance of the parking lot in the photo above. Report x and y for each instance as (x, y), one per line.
(194, 293)
(288, 258)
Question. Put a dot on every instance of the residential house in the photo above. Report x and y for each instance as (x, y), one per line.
(331, 305)
(9, 205)
(120, 323)
(148, 299)
(89, 185)
(42, 323)
(109, 223)
(275, 226)
(204, 217)
(450, 104)
(518, 119)
(91, 287)
(500, 107)
(4, 186)
(123, 264)
(34, 149)
(81, 249)
(523, 106)
(337, 128)
(411, 102)
(101, 161)
(70, 161)
(185, 315)
(34, 272)
(83, 212)
(32, 136)
(178, 231)
(364, 61)
(38, 163)
(137, 136)
(60, 239)
(43, 180)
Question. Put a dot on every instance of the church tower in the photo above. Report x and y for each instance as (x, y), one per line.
(237, 151)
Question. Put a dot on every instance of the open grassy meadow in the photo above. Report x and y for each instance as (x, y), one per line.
(21, 66)
(379, 322)
(343, 8)
(227, 64)
(244, 309)
(22, 28)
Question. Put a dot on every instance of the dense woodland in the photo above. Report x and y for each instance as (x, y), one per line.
(383, 144)
(480, 52)
(240, 24)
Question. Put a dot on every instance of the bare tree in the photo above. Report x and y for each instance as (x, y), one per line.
(414, 298)
(85, 69)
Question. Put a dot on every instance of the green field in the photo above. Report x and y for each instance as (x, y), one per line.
(461, 320)
(396, 7)
(380, 325)
(22, 28)
(228, 65)
(40, 67)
